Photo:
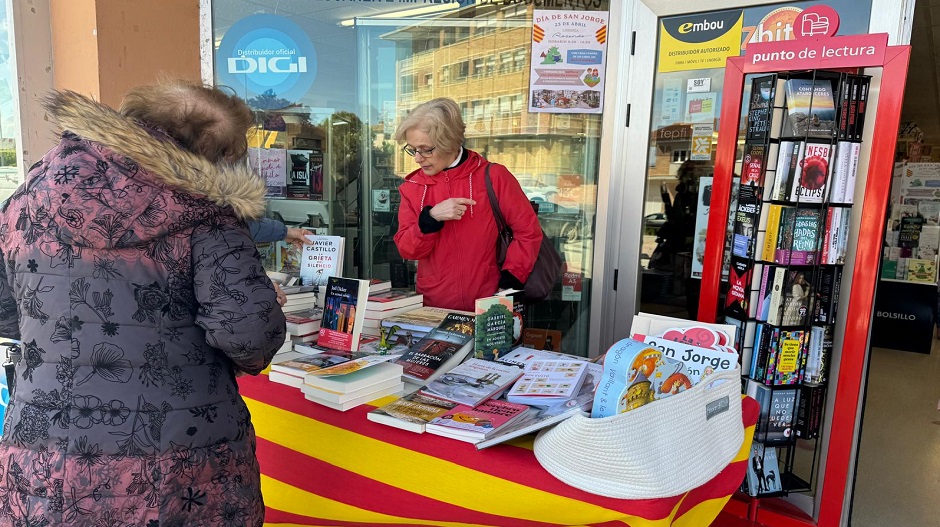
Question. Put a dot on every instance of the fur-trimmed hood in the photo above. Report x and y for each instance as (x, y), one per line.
(234, 186)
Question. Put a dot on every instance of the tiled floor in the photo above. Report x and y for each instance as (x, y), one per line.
(899, 458)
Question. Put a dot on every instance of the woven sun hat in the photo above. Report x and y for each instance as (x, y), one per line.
(662, 449)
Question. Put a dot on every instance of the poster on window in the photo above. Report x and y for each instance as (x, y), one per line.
(568, 63)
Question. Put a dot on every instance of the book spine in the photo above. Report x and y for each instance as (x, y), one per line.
(776, 296)
(769, 366)
(784, 160)
(862, 107)
(844, 90)
(849, 196)
(853, 106)
(773, 230)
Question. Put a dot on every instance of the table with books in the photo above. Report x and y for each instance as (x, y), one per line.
(325, 467)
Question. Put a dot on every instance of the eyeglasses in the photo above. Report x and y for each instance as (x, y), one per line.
(412, 151)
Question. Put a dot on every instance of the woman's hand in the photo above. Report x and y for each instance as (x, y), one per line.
(297, 237)
(281, 296)
(451, 209)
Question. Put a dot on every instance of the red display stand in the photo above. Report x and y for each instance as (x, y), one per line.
(830, 53)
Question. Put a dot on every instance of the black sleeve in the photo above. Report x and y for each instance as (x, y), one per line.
(426, 223)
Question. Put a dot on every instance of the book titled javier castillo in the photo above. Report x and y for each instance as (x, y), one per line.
(344, 310)
(440, 350)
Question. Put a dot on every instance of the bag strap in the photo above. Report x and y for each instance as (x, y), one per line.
(494, 203)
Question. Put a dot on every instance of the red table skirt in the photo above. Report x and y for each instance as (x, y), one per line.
(321, 467)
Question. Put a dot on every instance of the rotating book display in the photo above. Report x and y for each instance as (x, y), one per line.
(792, 217)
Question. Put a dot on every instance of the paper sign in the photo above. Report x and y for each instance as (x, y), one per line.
(699, 85)
(702, 142)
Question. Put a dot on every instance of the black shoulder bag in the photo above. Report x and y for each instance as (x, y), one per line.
(548, 265)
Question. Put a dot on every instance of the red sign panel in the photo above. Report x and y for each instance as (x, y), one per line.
(851, 51)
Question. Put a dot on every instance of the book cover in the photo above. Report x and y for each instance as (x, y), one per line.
(321, 258)
(787, 159)
(473, 424)
(827, 289)
(842, 163)
(298, 183)
(541, 339)
(810, 186)
(763, 471)
(535, 419)
(737, 303)
(819, 350)
(808, 411)
(473, 381)
(315, 167)
(745, 221)
(781, 417)
(435, 353)
(854, 85)
(810, 108)
(842, 107)
(347, 373)
(287, 258)
(921, 271)
(760, 111)
(797, 297)
(267, 252)
(799, 239)
(494, 327)
(909, 234)
(764, 291)
(788, 366)
(752, 165)
(300, 366)
(772, 231)
(546, 380)
(344, 309)
(411, 412)
(775, 304)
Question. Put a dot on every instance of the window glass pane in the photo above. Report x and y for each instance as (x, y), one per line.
(9, 178)
(375, 62)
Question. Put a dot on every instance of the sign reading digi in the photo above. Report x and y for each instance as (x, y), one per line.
(263, 53)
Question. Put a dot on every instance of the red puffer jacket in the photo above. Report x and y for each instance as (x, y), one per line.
(457, 264)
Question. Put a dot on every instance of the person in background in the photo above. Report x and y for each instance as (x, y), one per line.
(130, 277)
(445, 220)
(267, 230)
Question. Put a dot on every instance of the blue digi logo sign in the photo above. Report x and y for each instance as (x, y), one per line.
(263, 53)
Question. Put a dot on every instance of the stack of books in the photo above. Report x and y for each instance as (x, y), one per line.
(303, 326)
(289, 368)
(475, 424)
(420, 321)
(301, 298)
(362, 384)
(387, 304)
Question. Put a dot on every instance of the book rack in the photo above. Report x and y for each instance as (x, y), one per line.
(829, 477)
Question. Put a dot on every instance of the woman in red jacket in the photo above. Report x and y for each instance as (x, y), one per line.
(445, 220)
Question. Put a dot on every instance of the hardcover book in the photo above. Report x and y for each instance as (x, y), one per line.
(472, 382)
(344, 309)
(810, 108)
(322, 257)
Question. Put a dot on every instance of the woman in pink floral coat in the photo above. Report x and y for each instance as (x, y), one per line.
(129, 275)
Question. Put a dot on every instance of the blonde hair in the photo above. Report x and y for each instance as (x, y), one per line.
(440, 119)
(202, 119)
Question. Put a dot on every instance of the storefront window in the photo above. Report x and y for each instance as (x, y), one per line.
(683, 135)
(9, 178)
(371, 63)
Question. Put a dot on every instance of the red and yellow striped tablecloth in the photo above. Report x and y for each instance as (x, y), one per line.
(321, 467)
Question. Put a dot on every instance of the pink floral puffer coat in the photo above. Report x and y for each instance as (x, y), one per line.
(129, 275)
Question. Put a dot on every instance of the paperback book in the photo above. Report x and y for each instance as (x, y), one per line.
(474, 424)
(810, 186)
(322, 257)
(473, 381)
(494, 327)
(411, 412)
(437, 352)
(545, 381)
(343, 313)
(810, 108)
(746, 221)
(763, 471)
